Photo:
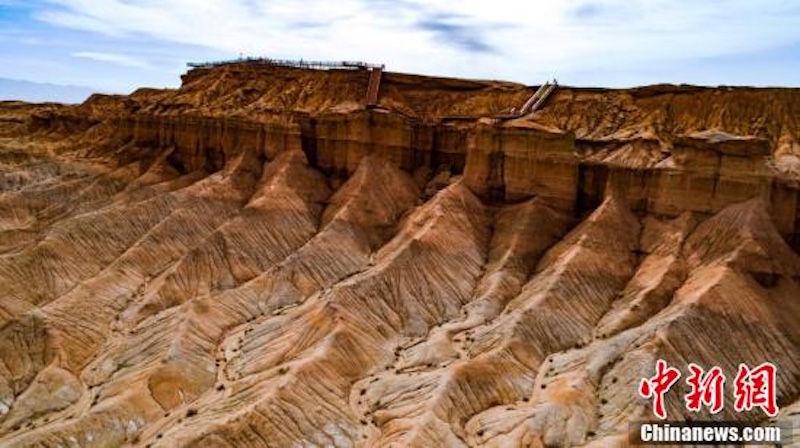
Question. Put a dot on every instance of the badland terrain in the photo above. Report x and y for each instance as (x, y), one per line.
(257, 258)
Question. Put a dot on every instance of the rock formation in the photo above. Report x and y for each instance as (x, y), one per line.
(256, 259)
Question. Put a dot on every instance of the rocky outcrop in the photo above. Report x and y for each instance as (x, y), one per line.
(255, 259)
(671, 149)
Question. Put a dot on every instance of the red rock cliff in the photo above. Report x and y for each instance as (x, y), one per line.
(256, 259)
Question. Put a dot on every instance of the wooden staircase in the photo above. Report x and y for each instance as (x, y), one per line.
(371, 100)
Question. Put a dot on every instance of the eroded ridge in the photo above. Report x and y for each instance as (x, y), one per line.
(168, 279)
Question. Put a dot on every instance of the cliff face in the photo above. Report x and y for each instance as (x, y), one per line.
(670, 149)
(256, 259)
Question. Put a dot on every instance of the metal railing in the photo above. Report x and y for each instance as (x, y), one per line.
(539, 97)
(316, 65)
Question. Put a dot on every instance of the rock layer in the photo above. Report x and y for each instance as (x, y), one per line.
(256, 260)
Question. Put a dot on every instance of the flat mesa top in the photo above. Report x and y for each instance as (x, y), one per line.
(297, 63)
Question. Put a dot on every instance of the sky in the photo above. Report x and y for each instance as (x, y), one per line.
(115, 46)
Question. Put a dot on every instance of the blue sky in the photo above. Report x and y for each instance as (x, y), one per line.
(118, 45)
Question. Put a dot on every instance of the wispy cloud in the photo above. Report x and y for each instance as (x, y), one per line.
(511, 39)
(450, 31)
(113, 58)
(662, 26)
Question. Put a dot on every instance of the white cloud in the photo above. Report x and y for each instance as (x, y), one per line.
(528, 40)
(119, 59)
